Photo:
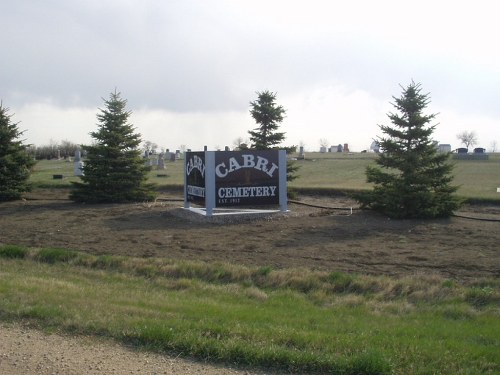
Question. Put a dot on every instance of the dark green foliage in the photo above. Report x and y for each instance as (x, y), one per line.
(15, 163)
(114, 170)
(291, 170)
(13, 252)
(412, 179)
(268, 115)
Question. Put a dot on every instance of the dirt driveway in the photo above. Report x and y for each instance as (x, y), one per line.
(311, 237)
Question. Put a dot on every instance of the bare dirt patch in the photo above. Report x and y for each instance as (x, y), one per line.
(311, 237)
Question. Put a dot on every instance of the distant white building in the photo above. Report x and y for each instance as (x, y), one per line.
(444, 148)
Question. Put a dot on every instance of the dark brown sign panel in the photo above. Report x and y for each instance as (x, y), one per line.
(246, 178)
(195, 177)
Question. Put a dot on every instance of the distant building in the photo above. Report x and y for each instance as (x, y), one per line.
(444, 148)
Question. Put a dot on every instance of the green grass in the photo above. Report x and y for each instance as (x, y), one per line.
(338, 172)
(44, 171)
(319, 171)
(300, 321)
(12, 251)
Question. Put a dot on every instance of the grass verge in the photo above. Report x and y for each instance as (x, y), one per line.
(299, 321)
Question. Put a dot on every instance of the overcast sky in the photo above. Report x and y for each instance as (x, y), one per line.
(189, 68)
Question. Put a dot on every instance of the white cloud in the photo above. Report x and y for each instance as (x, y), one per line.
(336, 113)
(44, 122)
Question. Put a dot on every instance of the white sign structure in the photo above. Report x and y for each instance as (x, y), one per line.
(224, 179)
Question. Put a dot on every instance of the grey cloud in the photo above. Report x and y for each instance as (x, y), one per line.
(201, 56)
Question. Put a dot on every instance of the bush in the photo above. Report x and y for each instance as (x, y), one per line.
(480, 297)
(52, 256)
(13, 252)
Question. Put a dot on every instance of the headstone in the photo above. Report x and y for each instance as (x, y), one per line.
(375, 147)
(444, 148)
(78, 164)
(302, 155)
(161, 162)
(78, 168)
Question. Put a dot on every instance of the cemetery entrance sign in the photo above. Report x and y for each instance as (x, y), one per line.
(218, 179)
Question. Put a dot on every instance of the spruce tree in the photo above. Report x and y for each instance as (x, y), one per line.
(114, 170)
(412, 179)
(268, 115)
(15, 163)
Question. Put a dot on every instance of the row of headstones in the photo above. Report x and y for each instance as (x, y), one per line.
(323, 149)
(338, 148)
(159, 162)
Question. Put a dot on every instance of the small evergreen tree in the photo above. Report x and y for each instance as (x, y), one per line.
(15, 162)
(114, 170)
(412, 179)
(268, 115)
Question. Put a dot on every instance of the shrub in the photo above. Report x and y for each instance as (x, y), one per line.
(13, 251)
(51, 255)
(480, 297)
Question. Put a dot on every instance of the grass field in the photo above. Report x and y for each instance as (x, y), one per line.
(477, 179)
(300, 321)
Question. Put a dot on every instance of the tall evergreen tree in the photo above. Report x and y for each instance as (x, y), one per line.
(268, 115)
(15, 163)
(114, 170)
(412, 179)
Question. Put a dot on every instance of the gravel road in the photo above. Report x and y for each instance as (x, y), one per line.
(30, 352)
